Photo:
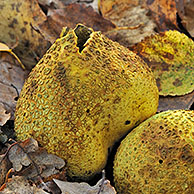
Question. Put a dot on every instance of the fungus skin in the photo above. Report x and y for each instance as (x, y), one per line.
(157, 156)
(77, 103)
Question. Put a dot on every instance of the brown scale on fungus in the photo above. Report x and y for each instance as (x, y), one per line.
(71, 91)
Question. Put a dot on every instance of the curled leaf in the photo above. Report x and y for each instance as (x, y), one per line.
(4, 47)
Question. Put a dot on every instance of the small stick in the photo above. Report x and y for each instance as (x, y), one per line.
(102, 182)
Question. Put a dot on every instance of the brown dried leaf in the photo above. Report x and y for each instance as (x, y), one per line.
(20, 185)
(164, 13)
(110, 9)
(127, 14)
(18, 20)
(34, 159)
(77, 188)
(185, 10)
(5, 165)
(175, 103)
(69, 16)
(4, 116)
(11, 82)
(54, 4)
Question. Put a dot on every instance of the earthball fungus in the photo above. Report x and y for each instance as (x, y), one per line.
(84, 94)
(157, 156)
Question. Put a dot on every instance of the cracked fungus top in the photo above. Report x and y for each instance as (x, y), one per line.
(158, 156)
(84, 94)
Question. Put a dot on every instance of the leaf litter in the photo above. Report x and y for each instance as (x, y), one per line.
(185, 11)
(18, 23)
(12, 78)
(34, 36)
(31, 163)
(69, 16)
(132, 21)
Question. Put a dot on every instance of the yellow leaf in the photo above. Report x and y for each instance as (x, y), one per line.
(5, 48)
(18, 21)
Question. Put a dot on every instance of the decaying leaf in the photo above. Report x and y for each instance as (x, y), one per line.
(170, 56)
(164, 13)
(58, 4)
(77, 188)
(18, 20)
(53, 4)
(11, 82)
(30, 161)
(20, 185)
(125, 15)
(185, 10)
(69, 16)
(5, 165)
(4, 116)
(176, 102)
(109, 9)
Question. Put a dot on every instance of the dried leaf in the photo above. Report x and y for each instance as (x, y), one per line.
(5, 165)
(69, 16)
(109, 9)
(185, 10)
(18, 20)
(77, 188)
(3, 137)
(164, 13)
(11, 82)
(20, 185)
(34, 159)
(170, 56)
(127, 14)
(176, 102)
(5, 48)
(4, 116)
(53, 4)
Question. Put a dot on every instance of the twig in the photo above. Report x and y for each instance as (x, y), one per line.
(102, 182)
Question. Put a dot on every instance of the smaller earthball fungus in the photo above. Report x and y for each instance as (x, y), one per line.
(157, 156)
